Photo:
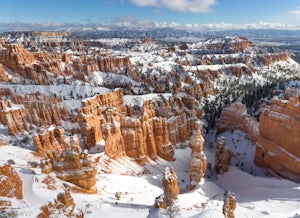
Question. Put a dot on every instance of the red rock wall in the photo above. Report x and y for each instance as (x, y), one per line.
(235, 116)
(35, 110)
(279, 140)
(105, 117)
(35, 65)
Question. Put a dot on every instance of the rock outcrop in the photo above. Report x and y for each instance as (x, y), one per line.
(104, 117)
(181, 115)
(135, 139)
(277, 136)
(11, 184)
(16, 117)
(198, 158)
(22, 111)
(171, 189)
(53, 139)
(3, 74)
(72, 166)
(62, 206)
(92, 115)
(44, 67)
(223, 156)
(235, 116)
(163, 146)
(229, 204)
(279, 141)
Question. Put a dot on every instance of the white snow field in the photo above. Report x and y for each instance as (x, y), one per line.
(256, 196)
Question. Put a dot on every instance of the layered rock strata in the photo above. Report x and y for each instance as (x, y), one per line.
(104, 117)
(279, 141)
(235, 116)
(30, 109)
(42, 67)
(277, 136)
(198, 158)
(16, 117)
(72, 165)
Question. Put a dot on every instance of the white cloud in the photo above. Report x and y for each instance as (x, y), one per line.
(296, 11)
(230, 26)
(194, 6)
(137, 24)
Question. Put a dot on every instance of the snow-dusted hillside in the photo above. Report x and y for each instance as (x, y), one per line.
(203, 76)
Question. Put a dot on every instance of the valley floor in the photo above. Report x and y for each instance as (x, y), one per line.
(257, 196)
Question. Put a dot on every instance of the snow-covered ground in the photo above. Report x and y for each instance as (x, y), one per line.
(256, 196)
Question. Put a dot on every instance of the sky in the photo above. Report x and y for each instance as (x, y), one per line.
(174, 13)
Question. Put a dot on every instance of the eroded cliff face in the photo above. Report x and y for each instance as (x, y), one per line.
(279, 140)
(16, 117)
(20, 112)
(3, 74)
(104, 117)
(235, 116)
(43, 67)
(198, 158)
(277, 135)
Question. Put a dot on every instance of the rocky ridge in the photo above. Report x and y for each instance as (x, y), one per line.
(105, 117)
(235, 116)
(279, 124)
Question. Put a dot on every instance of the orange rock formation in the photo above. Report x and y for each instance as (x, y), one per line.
(53, 139)
(235, 116)
(104, 117)
(15, 117)
(223, 156)
(72, 166)
(3, 75)
(11, 184)
(36, 109)
(277, 135)
(279, 140)
(198, 158)
(37, 65)
(171, 189)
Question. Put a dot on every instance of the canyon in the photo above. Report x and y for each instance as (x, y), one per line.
(109, 124)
